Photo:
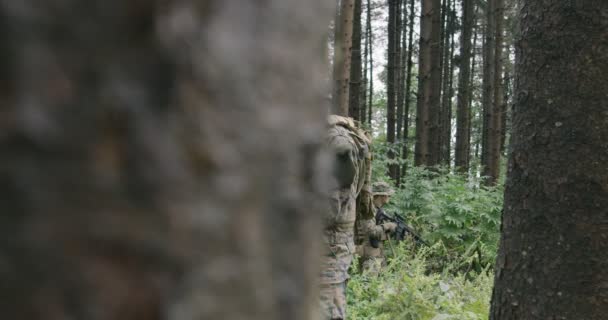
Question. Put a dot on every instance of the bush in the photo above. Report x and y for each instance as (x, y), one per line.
(457, 213)
(405, 290)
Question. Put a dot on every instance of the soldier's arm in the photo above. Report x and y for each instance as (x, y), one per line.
(374, 231)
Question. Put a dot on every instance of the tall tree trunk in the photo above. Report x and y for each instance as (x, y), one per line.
(463, 113)
(552, 258)
(399, 89)
(408, 86)
(450, 104)
(391, 83)
(505, 110)
(423, 107)
(475, 129)
(498, 105)
(132, 154)
(489, 61)
(355, 72)
(370, 103)
(363, 114)
(435, 86)
(342, 57)
(446, 114)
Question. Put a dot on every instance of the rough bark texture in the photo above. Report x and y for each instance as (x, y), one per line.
(342, 56)
(463, 112)
(552, 259)
(421, 152)
(355, 71)
(144, 174)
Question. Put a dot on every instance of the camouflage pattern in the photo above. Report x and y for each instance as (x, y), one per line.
(381, 188)
(372, 259)
(333, 300)
(350, 145)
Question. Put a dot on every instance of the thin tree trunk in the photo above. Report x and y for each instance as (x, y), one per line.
(435, 88)
(498, 106)
(342, 58)
(489, 61)
(355, 72)
(446, 86)
(474, 88)
(552, 258)
(139, 172)
(450, 106)
(423, 107)
(463, 114)
(370, 103)
(365, 77)
(408, 87)
(391, 83)
(400, 67)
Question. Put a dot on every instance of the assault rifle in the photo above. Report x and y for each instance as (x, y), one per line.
(401, 231)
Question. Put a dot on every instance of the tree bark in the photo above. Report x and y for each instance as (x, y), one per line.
(552, 259)
(435, 99)
(489, 61)
(446, 99)
(370, 103)
(463, 114)
(423, 106)
(355, 71)
(363, 88)
(408, 87)
(498, 105)
(342, 57)
(391, 83)
(142, 178)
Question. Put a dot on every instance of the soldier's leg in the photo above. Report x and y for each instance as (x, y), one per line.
(333, 301)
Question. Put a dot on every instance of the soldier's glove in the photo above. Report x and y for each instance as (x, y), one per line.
(389, 227)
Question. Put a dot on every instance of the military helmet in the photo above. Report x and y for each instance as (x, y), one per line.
(382, 189)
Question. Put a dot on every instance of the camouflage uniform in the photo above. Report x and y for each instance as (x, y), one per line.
(371, 258)
(351, 148)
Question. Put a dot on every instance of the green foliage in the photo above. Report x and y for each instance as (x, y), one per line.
(405, 290)
(453, 211)
(453, 278)
(450, 209)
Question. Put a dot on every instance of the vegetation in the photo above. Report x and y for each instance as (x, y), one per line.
(452, 279)
(407, 290)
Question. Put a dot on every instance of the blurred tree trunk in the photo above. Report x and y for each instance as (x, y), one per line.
(552, 259)
(342, 57)
(142, 177)
(355, 71)
(463, 113)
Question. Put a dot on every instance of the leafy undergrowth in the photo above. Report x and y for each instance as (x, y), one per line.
(405, 289)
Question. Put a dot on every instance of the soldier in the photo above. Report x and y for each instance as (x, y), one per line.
(350, 145)
(371, 250)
